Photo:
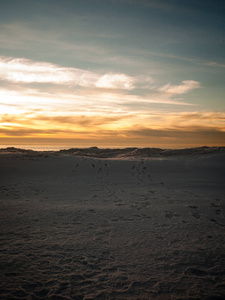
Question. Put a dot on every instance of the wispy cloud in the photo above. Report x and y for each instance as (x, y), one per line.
(75, 121)
(22, 70)
(36, 83)
(215, 64)
(133, 130)
(28, 71)
(44, 99)
(120, 81)
(183, 88)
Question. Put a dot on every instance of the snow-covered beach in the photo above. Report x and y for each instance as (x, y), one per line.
(89, 224)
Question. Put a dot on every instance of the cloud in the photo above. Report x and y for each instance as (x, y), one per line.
(24, 131)
(192, 133)
(134, 136)
(39, 122)
(191, 136)
(37, 84)
(64, 122)
(84, 100)
(208, 115)
(144, 129)
(22, 70)
(215, 64)
(196, 119)
(28, 71)
(120, 81)
(183, 88)
(92, 121)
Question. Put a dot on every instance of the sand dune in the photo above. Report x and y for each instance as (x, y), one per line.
(78, 225)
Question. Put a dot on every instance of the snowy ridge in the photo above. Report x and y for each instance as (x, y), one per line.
(121, 153)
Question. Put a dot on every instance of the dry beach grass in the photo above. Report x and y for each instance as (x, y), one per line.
(82, 227)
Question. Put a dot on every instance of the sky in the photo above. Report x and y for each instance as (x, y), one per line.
(115, 73)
